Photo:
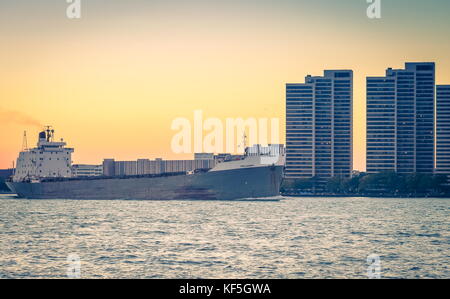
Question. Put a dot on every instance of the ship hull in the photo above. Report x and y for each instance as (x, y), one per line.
(233, 184)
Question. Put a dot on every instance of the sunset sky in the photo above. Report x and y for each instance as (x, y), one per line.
(112, 82)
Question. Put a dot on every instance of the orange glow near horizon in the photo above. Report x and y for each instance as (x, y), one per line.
(111, 84)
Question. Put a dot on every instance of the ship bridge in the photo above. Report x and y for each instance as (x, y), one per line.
(49, 159)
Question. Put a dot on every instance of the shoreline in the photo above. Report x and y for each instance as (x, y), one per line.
(315, 196)
(364, 195)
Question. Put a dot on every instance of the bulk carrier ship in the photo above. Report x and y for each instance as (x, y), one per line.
(45, 172)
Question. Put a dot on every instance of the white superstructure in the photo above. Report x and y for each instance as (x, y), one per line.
(256, 156)
(48, 160)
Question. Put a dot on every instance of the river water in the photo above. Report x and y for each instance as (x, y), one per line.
(290, 238)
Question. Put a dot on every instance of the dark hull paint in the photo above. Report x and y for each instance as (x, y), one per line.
(221, 185)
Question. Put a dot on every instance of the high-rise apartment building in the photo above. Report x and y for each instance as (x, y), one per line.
(400, 120)
(443, 130)
(319, 126)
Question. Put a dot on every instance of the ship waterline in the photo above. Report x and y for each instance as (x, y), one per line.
(254, 182)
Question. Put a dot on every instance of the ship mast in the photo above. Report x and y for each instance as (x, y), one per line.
(50, 132)
(244, 143)
(24, 141)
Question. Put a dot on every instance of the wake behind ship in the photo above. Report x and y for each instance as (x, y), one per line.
(45, 172)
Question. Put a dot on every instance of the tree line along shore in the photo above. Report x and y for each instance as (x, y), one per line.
(384, 184)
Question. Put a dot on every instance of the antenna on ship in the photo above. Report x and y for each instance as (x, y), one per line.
(50, 132)
(24, 141)
(244, 142)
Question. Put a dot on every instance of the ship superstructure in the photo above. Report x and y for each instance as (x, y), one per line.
(49, 159)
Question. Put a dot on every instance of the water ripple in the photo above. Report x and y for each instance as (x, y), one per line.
(292, 238)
